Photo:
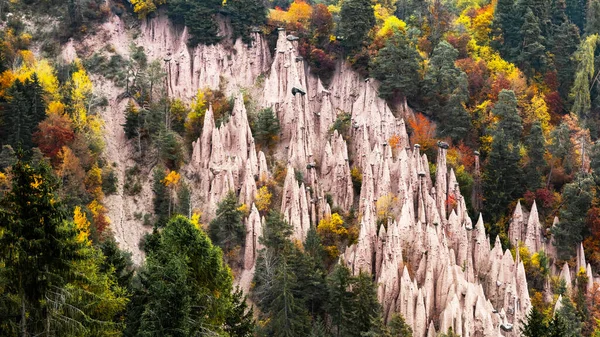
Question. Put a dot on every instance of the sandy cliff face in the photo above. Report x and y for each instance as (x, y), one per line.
(432, 263)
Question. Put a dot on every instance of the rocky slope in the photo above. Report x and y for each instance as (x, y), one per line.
(433, 264)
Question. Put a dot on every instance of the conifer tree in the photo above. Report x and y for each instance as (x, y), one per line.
(536, 148)
(532, 57)
(571, 230)
(576, 11)
(510, 121)
(565, 41)
(501, 183)
(592, 24)
(340, 301)
(357, 19)
(244, 15)
(366, 306)
(580, 93)
(227, 229)
(535, 326)
(455, 121)
(397, 66)
(505, 28)
(22, 113)
(267, 128)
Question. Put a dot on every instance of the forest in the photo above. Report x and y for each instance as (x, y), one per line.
(510, 84)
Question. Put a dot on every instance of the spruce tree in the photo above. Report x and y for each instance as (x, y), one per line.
(22, 113)
(366, 307)
(510, 121)
(356, 20)
(572, 229)
(188, 287)
(340, 302)
(576, 11)
(501, 183)
(399, 327)
(397, 66)
(244, 15)
(505, 29)
(227, 229)
(536, 148)
(592, 25)
(132, 121)
(564, 43)
(535, 325)
(455, 121)
(266, 130)
(532, 56)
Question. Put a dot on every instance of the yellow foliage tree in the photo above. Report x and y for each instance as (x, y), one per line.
(299, 12)
(172, 179)
(537, 109)
(81, 89)
(333, 233)
(387, 207)
(390, 24)
(82, 225)
(263, 199)
(145, 7)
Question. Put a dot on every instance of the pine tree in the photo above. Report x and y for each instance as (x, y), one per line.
(227, 229)
(564, 43)
(505, 28)
(576, 11)
(397, 66)
(188, 288)
(455, 121)
(501, 183)
(446, 89)
(532, 57)
(510, 121)
(340, 302)
(161, 197)
(131, 126)
(535, 325)
(357, 19)
(366, 307)
(571, 230)
(244, 15)
(592, 25)
(536, 148)
(22, 113)
(266, 131)
(239, 321)
(288, 316)
(399, 327)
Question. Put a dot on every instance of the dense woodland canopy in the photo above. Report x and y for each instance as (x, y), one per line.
(515, 80)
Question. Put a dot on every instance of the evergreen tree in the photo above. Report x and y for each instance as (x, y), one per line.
(562, 148)
(366, 307)
(276, 234)
(567, 320)
(571, 229)
(170, 150)
(535, 325)
(357, 19)
(536, 148)
(239, 321)
(592, 25)
(455, 121)
(188, 286)
(397, 66)
(22, 113)
(37, 249)
(199, 17)
(510, 121)
(576, 11)
(311, 286)
(288, 316)
(501, 183)
(399, 327)
(340, 302)
(244, 15)
(227, 229)
(267, 128)
(564, 43)
(505, 29)
(161, 197)
(532, 57)
(183, 200)
(132, 123)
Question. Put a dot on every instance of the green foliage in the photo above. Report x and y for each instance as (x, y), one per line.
(342, 124)
(357, 19)
(227, 229)
(170, 150)
(580, 92)
(536, 148)
(109, 181)
(266, 130)
(187, 287)
(532, 56)
(340, 300)
(592, 25)
(184, 200)
(161, 197)
(22, 113)
(397, 67)
(245, 15)
(510, 121)
(501, 183)
(571, 229)
(399, 327)
(446, 91)
(132, 185)
(535, 325)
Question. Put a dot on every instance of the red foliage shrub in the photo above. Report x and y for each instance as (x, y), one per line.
(54, 133)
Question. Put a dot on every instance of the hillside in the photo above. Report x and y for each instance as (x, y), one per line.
(281, 168)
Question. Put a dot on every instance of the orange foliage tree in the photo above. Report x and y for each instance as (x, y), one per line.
(54, 133)
(423, 131)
